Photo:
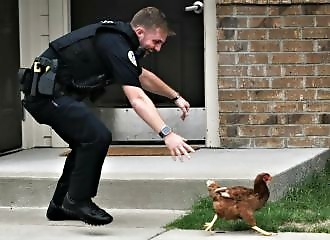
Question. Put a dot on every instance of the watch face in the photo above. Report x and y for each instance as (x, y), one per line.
(166, 130)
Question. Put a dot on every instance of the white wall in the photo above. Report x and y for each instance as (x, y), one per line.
(34, 38)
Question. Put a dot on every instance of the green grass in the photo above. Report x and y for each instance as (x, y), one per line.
(305, 208)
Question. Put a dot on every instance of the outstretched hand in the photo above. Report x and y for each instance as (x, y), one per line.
(178, 146)
(184, 106)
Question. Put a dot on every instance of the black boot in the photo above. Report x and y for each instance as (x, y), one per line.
(87, 211)
(56, 213)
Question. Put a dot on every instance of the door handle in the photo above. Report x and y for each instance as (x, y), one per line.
(197, 7)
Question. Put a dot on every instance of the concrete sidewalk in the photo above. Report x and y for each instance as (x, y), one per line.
(129, 224)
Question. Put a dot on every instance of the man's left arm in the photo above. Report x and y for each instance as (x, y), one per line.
(150, 82)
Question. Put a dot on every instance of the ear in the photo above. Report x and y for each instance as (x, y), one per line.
(139, 31)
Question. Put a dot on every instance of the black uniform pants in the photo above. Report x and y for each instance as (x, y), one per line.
(86, 135)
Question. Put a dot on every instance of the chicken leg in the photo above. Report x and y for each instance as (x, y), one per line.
(208, 225)
(263, 232)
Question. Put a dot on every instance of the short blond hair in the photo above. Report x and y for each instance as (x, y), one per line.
(151, 17)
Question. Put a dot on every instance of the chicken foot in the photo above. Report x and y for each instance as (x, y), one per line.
(263, 232)
(208, 225)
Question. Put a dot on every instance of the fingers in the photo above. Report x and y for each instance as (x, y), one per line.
(184, 106)
(181, 151)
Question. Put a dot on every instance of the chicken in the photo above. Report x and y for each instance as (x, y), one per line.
(239, 202)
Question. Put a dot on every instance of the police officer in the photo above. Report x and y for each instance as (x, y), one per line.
(81, 64)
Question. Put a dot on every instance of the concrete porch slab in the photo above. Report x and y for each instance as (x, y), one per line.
(28, 178)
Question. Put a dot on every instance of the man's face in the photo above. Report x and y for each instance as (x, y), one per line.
(151, 40)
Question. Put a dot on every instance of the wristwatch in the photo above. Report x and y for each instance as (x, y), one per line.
(166, 130)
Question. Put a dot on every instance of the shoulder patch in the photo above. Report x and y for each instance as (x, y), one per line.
(131, 57)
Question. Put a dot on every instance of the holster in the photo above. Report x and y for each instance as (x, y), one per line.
(24, 76)
(42, 77)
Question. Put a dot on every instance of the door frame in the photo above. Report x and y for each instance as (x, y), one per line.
(59, 24)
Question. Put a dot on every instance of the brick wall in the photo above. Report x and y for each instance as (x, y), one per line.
(274, 75)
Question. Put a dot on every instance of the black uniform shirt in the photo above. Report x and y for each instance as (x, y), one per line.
(117, 53)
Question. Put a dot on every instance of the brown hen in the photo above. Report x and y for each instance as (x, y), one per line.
(239, 202)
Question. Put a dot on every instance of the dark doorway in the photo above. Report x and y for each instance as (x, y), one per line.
(180, 63)
(10, 105)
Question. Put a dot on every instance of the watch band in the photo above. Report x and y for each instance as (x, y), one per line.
(176, 98)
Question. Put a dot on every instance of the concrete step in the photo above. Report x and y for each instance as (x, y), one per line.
(28, 178)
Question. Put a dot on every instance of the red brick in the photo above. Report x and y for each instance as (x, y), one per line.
(226, 59)
(226, 142)
(228, 107)
(225, 83)
(300, 118)
(323, 70)
(253, 58)
(234, 118)
(300, 94)
(273, 70)
(264, 22)
(298, 70)
(322, 21)
(229, 95)
(253, 131)
(251, 10)
(317, 130)
(317, 107)
(290, 10)
(323, 45)
(269, 142)
(322, 141)
(263, 119)
(285, 131)
(300, 142)
(293, 33)
(232, 46)
(251, 34)
(282, 119)
(274, 10)
(288, 107)
(324, 118)
(288, 82)
(255, 107)
(315, 33)
(257, 71)
(232, 22)
(316, 82)
(253, 83)
(298, 21)
(224, 10)
(232, 70)
(323, 94)
(264, 46)
(228, 131)
(280, 58)
(266, 95)
(318, 57)
(226, 34)
(298, 46)
(316, 9)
